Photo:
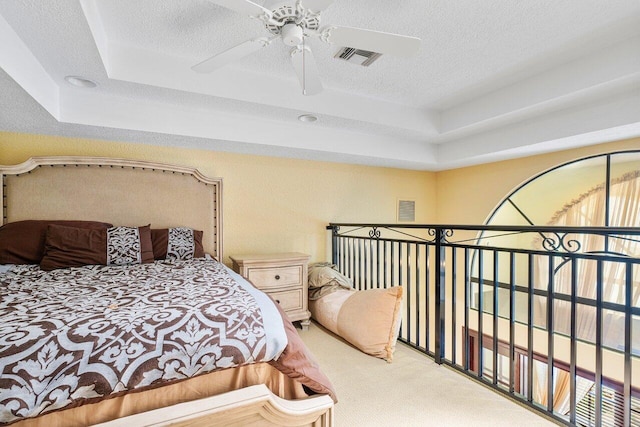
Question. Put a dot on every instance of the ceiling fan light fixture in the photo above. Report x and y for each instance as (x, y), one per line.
(307, 118)
(292, 34)
(80, 82)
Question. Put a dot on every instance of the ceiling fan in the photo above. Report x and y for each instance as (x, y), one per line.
(293, 24)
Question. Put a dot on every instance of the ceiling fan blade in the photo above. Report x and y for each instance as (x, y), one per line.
(243, 6)
(317, 5)
(306, 69)
(374, 41)
(230, 55)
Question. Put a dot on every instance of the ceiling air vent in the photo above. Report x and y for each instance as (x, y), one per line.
(406, 210)
(357, 56)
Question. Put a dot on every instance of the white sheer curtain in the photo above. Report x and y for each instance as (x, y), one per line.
(587, 211)
(561, 387)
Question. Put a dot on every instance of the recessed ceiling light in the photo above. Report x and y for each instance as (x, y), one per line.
(80, 81)
(308, 118)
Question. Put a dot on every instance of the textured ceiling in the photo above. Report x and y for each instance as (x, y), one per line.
(493, 79)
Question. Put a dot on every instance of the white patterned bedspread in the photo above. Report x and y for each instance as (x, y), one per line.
(85, 333)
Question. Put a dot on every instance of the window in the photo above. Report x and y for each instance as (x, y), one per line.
(599, 191)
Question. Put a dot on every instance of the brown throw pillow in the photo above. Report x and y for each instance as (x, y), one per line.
(22, 242)
(161, 241)
(74, 247)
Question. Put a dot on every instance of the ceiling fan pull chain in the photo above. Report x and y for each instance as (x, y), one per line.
(304, 80)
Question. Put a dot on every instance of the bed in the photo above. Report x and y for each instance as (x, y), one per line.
(137, 336)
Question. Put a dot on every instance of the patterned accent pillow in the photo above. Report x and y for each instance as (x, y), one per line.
(181, 242)
(129, 245)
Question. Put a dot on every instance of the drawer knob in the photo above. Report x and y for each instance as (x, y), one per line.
(277, 277)
(278, 301)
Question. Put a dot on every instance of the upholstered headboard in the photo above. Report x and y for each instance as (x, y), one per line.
(119, 191)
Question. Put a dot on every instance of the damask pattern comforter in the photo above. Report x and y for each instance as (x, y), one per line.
(72, 335)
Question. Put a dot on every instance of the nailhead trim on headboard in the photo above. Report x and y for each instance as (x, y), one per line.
(77, 161)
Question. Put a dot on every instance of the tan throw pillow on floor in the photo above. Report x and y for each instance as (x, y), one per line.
(370, 320)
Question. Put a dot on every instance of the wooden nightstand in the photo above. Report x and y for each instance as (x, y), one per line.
(283, 276)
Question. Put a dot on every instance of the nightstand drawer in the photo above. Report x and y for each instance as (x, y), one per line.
(276, 277)
(288, 300)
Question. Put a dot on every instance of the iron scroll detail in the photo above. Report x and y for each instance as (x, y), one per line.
(560, 242)
(445, 234)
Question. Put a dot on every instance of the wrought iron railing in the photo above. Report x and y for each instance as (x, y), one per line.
(502, 304)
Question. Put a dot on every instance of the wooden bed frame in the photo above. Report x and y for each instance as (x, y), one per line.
(131, 192)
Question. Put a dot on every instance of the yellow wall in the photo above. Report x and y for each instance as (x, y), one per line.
(469, 195)
(276, 204)
(270, 204)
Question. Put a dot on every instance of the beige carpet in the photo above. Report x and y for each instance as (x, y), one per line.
(411, 391)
